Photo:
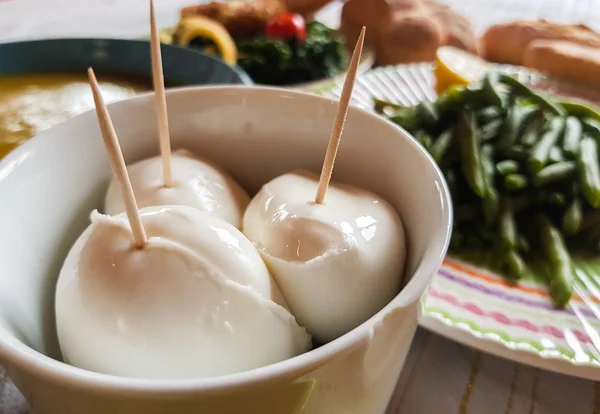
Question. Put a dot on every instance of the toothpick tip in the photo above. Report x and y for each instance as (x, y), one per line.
(340, 119)
(361, 37)
(111, 143)
(152, 19)
(160, 99)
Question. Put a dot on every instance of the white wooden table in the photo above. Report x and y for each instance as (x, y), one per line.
(440, 376)
(443, 377)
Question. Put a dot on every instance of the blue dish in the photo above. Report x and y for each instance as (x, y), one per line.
(125, 57)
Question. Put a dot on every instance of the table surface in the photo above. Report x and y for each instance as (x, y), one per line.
(464, 380)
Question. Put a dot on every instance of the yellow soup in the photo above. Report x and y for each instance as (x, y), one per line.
(30, 104)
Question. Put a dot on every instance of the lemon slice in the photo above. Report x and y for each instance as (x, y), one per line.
(190, 28)
(456, 67)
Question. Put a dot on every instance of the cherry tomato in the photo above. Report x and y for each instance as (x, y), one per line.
(286, 26)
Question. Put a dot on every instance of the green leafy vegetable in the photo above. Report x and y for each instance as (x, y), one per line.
(280, 62)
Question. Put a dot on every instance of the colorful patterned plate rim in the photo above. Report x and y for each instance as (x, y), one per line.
(474, 306)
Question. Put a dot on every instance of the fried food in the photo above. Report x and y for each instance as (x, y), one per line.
(249, 18)
(565, 60)
(404, 31)
(507, 43)
(242, 19)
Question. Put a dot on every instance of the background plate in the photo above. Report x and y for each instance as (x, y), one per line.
(117, 57)
(367, 60)
(474, 306)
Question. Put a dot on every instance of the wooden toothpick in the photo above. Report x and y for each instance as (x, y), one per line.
(160, 101)
(340, 119)
(117, 162)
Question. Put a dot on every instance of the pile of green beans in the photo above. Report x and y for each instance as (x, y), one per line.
(523, 171)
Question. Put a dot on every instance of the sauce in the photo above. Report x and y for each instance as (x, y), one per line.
(32, 103)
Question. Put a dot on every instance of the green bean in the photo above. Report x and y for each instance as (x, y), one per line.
(554, 172)
(490, 130)
(572, 136)
(508, 229)
(589, 171)
(380, 105)
(424, 138)
(532, 132)
(488, 114)
(523, 244)
(554, 198)
(406, 118)
(454, 95)
(556, 155)
(592, 127)
(490, 89)
(518, 153)
(440, 147)
(573, 217)
(491, 205)
(518, 118)
(507, 167)
(470, 160)
(476, 97)
(573, 190)
(491, 200)
(581, 109)
(560, 275)
(515, 181)
(538, 158)
(487, 163)
(428, 113)
(515, 263)
(522, 90)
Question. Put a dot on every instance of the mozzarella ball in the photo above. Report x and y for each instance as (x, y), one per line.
(337, 264)
(196, 301)
(196, 183)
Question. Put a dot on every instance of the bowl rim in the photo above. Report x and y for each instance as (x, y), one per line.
(42, 366)
(241, 73)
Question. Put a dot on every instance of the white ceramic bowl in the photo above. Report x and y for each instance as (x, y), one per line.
(49, 186)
